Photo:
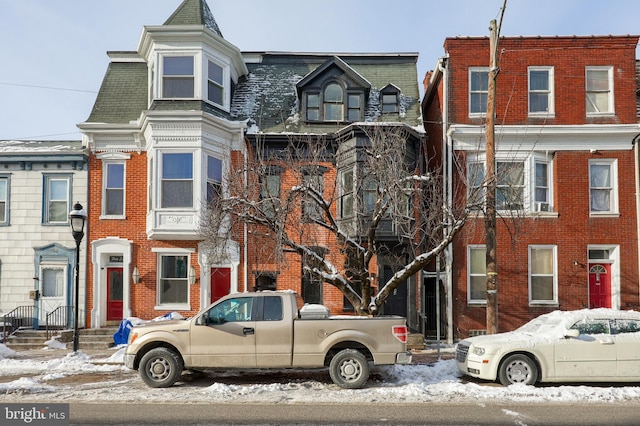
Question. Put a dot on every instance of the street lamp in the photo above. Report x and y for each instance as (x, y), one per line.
(77, 216)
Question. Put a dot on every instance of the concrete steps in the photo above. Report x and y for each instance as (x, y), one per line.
(92, 338)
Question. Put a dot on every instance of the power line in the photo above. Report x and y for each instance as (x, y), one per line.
(38, 136)
(47, 87)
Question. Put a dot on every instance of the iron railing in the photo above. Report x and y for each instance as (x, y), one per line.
(20, 317)
(59, 319)
(26, 317)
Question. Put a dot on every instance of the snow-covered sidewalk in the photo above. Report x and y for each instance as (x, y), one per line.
(58, 375)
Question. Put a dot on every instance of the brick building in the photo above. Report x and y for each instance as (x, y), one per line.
(567, 172)
(174, 118)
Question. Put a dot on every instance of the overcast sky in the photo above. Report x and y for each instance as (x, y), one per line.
(53, 52)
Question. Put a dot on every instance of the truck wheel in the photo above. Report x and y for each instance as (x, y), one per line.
(160, 368)
(349, 369)
(518, 369)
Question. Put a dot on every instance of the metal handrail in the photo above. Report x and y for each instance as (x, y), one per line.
(59, 319)
(22, 316)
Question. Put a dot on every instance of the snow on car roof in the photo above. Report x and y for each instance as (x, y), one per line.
(558, 321)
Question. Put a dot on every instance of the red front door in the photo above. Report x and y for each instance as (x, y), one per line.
(114, 294)
(220, 283)
(599, 285)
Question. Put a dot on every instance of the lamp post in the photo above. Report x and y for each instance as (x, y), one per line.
(78, 217)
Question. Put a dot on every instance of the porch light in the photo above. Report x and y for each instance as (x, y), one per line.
(136, 275)
(192, 275)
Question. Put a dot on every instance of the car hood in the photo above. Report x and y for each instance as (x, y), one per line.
(162, 324)
(512, 338)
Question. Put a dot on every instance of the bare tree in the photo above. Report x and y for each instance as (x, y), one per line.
(372, 193)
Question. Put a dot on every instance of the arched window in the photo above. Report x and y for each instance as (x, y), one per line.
(333, 102)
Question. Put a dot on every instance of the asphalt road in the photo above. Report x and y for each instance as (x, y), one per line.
(347, 414)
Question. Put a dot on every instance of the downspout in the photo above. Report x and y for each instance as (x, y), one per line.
(244, 225)
(447, 150)
(636, 158)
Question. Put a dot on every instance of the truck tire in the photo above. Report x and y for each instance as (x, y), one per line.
(160, 368)
(349, 369)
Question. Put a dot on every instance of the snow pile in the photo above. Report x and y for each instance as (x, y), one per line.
(79, 377)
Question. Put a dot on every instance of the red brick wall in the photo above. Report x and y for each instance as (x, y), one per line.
(573, 230)
(568, 55)
(143, 295)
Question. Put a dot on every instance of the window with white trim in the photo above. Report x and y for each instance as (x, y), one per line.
(52, 282)
(476, 274)
(541, 100)
(215, 83)
(603, 180)
(521, 183)
(541, 183)
(177, 180)
(178, 77)
(599, 87)
(478, 90)
(114, 189)
(214, 178)
(4, 200)
(173, 282)
(543, 277)
(57, 197)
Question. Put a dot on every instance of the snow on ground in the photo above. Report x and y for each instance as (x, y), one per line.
(69, 376)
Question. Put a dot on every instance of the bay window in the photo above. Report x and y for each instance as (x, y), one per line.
(178, 78)
(177, 180)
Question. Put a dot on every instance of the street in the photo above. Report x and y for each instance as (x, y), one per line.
(353, 414)
(99, 390)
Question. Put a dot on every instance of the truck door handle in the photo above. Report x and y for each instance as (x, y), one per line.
(248, 330)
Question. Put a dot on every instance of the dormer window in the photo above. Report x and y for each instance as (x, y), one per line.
(313, 106)
(333, 92)
(332, 99)
(389, 96)
(177, 77)
(333, 103)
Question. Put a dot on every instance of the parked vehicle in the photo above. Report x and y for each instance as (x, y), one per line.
(266, 330)
(598, 345)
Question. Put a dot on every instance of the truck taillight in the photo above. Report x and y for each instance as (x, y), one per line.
(400, 332)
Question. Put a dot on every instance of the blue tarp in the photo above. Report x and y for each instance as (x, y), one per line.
(121, 336)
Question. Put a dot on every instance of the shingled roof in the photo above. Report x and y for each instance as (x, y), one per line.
(123, 93)
(268, 97)
(194, 12)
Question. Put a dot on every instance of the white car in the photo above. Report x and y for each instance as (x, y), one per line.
(589, 345)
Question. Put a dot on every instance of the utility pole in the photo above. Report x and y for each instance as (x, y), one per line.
(490, 211)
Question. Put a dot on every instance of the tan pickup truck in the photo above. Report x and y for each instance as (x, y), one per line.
(266, 330)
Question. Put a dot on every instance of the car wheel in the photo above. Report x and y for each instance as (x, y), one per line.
(349, 369)
(160, 368)
(518, 368)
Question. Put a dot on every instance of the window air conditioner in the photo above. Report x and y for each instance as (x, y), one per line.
(542, 207)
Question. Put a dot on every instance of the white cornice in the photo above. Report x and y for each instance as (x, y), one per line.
(602, 137)
(109, 137)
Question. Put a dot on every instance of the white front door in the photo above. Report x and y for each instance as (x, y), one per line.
(53, 292)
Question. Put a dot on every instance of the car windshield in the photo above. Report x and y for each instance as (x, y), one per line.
(543, 325)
